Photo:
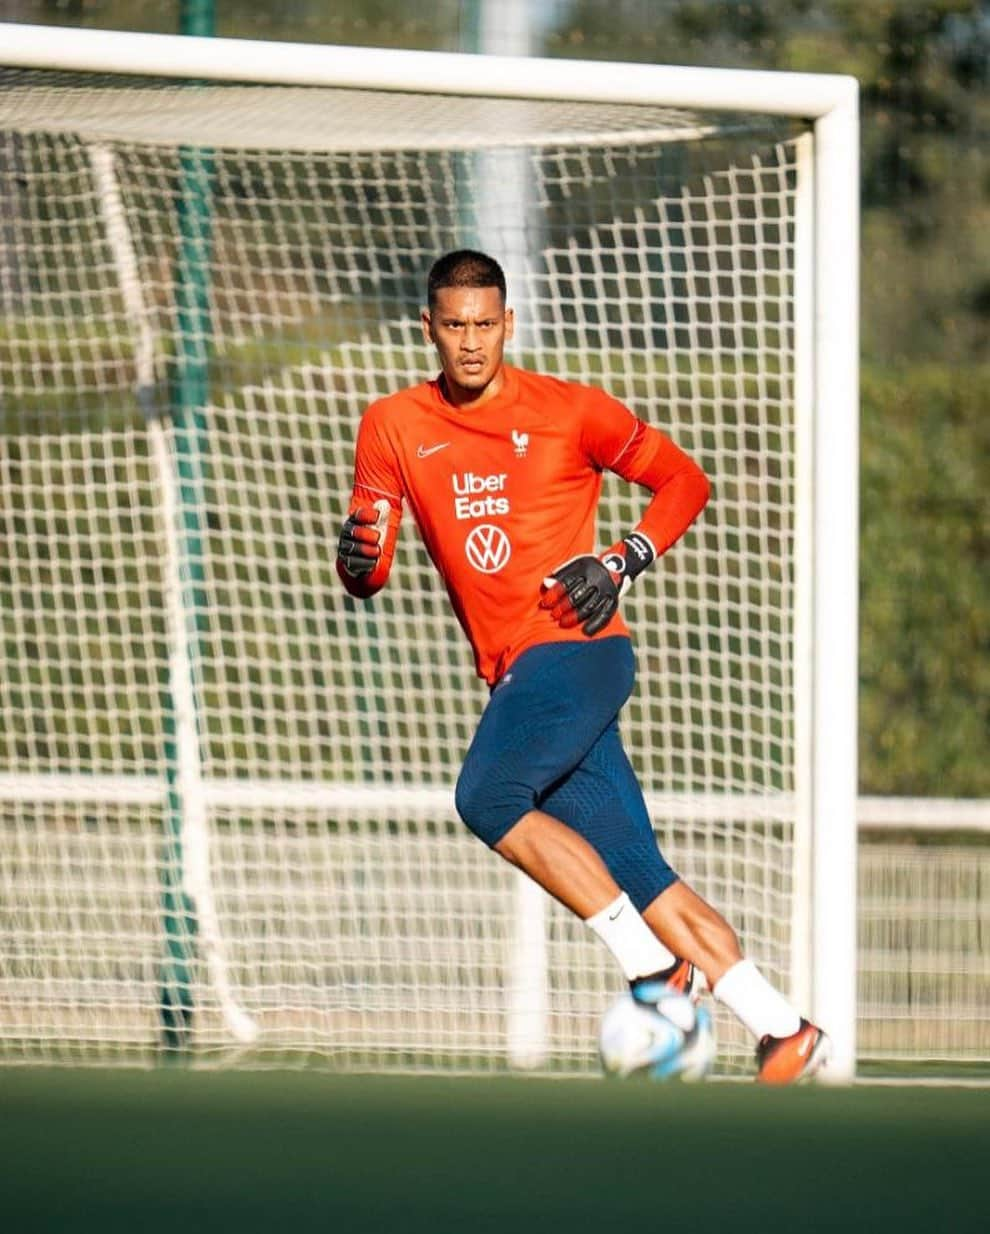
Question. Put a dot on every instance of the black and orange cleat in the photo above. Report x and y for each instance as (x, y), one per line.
(680, 976)
(785, 1060)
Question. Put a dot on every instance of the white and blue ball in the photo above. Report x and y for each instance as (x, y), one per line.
(658, 1033)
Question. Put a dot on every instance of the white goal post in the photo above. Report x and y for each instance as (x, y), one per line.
(212, 253)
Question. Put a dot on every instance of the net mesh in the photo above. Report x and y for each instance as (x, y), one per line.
(251, 277)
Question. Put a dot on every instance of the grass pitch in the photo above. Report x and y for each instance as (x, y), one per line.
(178, 1151)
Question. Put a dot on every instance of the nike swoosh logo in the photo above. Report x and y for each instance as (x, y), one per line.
(423, 452)
(616, 915)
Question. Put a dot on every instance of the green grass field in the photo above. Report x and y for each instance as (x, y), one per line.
(180, 1151)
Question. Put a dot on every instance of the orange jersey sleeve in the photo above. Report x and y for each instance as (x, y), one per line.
(615, 439)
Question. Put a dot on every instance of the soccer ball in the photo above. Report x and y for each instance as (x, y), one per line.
(659, 1033)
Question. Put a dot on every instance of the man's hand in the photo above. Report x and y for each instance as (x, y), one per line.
(581, 592)
(359, 546)
(585, 591)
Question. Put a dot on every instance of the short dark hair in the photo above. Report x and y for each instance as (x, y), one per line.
(464, 268)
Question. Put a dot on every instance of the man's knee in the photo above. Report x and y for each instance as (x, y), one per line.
(490, 807)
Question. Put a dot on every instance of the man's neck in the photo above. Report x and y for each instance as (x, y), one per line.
(471, 400)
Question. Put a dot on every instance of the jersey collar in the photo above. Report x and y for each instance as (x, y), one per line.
(508, 396)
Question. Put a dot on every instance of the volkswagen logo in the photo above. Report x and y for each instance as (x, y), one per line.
(488, 548)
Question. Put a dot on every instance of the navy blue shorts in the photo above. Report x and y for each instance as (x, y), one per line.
(549, 739)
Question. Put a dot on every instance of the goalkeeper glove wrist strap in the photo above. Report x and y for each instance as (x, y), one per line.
(628, 559)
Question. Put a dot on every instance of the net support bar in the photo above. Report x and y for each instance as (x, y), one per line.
(529, 1000)
(946, 815)
(189, 906)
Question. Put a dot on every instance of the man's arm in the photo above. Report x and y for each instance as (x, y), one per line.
(680, 489)
(366, 545)
(586, 590)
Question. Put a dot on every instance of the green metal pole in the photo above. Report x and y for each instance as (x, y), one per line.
(198, 18)
(189, 397)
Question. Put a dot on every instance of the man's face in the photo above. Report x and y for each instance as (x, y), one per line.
(469, 326)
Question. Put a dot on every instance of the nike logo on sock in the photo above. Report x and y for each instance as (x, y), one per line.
(425, 452)
(618, 912)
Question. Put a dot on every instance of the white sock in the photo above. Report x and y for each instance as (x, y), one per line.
(624, 932)
(747, 993)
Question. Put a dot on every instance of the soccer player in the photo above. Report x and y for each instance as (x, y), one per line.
(502, 470)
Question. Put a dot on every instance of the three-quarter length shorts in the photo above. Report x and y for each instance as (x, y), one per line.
(549, 740)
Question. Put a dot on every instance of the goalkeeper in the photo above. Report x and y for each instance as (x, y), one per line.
(502, 471)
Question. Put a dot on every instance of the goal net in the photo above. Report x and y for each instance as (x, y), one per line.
(226, 819)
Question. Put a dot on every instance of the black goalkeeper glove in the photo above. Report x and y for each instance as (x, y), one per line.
(585, 591)
(359, 546)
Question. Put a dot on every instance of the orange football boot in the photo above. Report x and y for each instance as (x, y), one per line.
(785, 1060)
(680, 977)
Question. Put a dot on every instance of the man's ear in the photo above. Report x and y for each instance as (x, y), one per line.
(427, 323)
(510, 323)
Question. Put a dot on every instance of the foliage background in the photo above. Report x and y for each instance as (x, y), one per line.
(924, 71)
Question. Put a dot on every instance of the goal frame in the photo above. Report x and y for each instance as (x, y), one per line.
(826, 381)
